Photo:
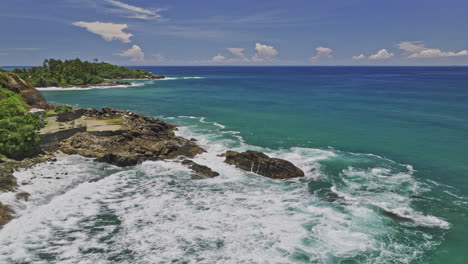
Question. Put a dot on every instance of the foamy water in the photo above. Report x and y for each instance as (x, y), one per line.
(75, 88)
(158, 212)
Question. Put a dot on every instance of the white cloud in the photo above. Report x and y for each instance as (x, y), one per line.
(23, 49)
(137, 12)
(435, 53)
(218, 58)
(108, 31)
(322, 52)
(411, 47)
(134, 53)
(239, 52)
(416, 50)
(264, 52)
(359, 58)
(382, 54)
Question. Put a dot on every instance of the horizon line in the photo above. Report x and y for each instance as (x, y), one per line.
(298, 65)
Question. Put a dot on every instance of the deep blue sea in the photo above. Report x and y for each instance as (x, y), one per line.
(385, 151)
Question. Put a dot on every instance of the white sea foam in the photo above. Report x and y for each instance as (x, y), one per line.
(51, 88)
(180, 78)
(158, 213)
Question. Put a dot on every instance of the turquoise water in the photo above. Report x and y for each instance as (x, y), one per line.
(384, 149)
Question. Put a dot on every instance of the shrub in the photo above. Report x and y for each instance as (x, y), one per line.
(63, 108)
(11, 104)
(18, 137)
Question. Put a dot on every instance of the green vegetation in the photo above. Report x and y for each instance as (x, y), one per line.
(11, 104)
(114, 121)
(18, 136)
(76, 72)
(63, 108)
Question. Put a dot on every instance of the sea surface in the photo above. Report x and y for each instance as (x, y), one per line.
(384, 150)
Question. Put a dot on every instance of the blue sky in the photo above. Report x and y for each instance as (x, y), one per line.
(241, 32)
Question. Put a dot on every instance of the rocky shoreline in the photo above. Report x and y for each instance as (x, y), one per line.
(116, 137)
(141, 138)
(108, 83)
(102, 84)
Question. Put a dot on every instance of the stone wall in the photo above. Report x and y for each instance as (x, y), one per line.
(50, 141)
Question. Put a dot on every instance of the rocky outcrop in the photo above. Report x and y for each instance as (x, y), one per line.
(261, 164)
(146, 138)
(6, 214)
(31, 96)
(201, 170)
(73, 114)
(23, 196)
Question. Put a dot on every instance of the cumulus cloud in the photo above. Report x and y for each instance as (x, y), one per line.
(239, 52)
(382, 54)
(108, 31)
(359, 57)
(264, 53)
(435, 53)
(135, 11)
(322, 52)
(411, 46)
(416, 50)
(134, 53)
(218, 58)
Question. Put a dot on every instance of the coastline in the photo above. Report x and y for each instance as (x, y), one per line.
(106, 84)
(135, 139)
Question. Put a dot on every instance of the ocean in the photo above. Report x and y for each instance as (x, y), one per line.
(384, 150)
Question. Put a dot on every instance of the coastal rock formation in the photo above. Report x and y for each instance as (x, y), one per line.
(201, 170)
(6, 214)
(13, 82)
(261, 164)
(146, 138)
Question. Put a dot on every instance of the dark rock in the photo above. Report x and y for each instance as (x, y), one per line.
(121, 161)
(23, 196)
(106, 110)
(202, 170)
(146, 138)
(397, 217)
(261, 164)
(6, 214)
(70, 115)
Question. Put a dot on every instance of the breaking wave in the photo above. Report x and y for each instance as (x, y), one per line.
(349, 207)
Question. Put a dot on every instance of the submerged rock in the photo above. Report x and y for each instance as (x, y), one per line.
(202, 170)
(23, 196)
(261, 164)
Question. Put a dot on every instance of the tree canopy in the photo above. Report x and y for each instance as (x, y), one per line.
(76, 72)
